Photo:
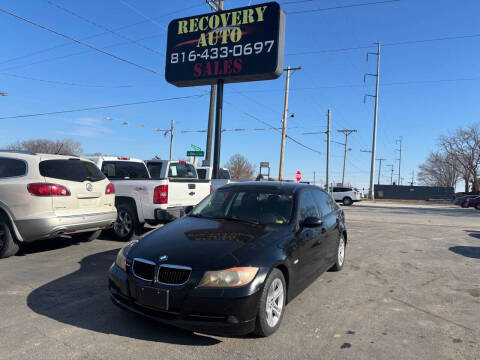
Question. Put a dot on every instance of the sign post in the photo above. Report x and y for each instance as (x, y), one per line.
(242, 44)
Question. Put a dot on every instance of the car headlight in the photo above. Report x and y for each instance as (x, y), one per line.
(121, 260)
(233, 277)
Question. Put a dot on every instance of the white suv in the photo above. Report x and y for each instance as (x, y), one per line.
(43, 196)
(346, 195)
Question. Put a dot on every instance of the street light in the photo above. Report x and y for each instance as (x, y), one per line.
(108, 118)
(3, 93)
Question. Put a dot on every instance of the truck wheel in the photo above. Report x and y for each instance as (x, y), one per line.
(347, 201)
(126, 224)
(8, 243)
(87, 236)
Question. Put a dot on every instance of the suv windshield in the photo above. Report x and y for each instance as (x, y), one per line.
(71, 170)
(249, 205)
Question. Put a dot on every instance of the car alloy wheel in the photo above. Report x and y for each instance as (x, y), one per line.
(124, 223)
(274, 303)
(341, 252)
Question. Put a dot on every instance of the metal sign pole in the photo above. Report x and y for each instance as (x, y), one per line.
(218, 129)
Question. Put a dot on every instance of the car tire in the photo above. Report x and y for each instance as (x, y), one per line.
(87, 236)
(477, 206)
(464, 204)
(347, 201)
(340, 260)
(126, 224)
(274, 293)
(8, 244)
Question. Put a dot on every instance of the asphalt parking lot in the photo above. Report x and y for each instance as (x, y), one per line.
(410, 289)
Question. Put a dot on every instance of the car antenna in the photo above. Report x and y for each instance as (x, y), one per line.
(60, 148)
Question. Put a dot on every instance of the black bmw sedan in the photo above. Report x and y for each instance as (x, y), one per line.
(233, 263)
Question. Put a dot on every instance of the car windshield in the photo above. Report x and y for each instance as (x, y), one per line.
(248, 205)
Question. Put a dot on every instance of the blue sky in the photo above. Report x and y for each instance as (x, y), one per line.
(414, 103)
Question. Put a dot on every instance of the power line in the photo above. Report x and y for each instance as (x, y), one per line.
(101, 26)
(142, 14)
(100, 107)
(340, 7)
(406, 42)
(64, 82)
(79, 42)
(97, 35)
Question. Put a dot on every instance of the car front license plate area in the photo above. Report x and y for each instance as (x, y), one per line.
(153, 297)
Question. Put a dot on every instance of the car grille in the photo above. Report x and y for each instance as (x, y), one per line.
(175, 275)
(143, 269)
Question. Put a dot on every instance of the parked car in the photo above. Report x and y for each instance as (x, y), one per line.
(474, 202)
(141, 198)
(235, 261)
(463, 200)
(346, 195)
(205, 172)
(44, 196)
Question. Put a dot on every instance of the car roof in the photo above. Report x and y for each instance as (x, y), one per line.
(22, 154)
(282, 186)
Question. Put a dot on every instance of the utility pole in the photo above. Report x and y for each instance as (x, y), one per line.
(171, 139)
(327, 176)
(399, 159)
(374, 140)
(391, 173)
(379, 169)
(284, 121)
(328, 152)
(314, 177)
(216, 6)
(413, 176)
(347, 132)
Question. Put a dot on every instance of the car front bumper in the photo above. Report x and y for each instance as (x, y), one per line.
(215, 313)
(46, 228)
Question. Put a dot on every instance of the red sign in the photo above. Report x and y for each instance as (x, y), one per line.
(299, 175)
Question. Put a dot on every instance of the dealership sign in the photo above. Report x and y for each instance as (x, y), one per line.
(243, 44)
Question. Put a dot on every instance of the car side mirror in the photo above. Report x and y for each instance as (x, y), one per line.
(312, 221)
(188, 209)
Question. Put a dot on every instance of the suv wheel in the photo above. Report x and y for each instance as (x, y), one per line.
(347, 201)
(87, 236)
(272, 304)
(126, 224)
(8, 244)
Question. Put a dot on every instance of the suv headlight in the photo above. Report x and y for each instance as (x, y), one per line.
(121, 260)
(234, 277)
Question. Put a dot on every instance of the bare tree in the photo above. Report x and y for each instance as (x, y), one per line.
(439, 170)
(65, 146)
(240, 167)
(463, 146)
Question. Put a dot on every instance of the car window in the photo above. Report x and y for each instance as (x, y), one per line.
(71, 170)
(125, 170)
(155, 169)
(322, 200)
(182, 170)
(262, 206)
(307, 206)
(223, 174)
(202, 173)
(12, 167)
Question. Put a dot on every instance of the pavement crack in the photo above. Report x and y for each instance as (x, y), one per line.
(432, 314)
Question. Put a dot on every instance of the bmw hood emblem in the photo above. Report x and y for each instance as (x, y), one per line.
(163, 258)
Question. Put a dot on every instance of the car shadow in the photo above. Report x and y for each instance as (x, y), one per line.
(46, 245)
(82, 299)
(473, 233)
(467, 251)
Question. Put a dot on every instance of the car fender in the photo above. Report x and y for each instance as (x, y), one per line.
(4, 208)
(133, 201)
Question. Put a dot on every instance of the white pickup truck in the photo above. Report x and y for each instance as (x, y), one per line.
(205, 172)
(153, 195)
